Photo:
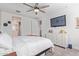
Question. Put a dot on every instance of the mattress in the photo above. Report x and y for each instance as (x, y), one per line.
(30, 45)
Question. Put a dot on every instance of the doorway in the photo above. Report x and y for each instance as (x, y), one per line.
(16, 25)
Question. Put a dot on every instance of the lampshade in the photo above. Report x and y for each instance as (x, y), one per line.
(36, 10)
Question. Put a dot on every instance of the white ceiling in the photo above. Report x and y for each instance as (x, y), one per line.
(12, 7)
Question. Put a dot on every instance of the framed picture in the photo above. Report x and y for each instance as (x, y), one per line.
(58, 21)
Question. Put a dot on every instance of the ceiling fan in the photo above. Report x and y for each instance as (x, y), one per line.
(36, 8)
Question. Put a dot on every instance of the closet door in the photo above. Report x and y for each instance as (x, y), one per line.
(29, 26)
(34, 27)
(26, 26)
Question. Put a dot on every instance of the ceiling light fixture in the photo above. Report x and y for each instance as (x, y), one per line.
(36, 10)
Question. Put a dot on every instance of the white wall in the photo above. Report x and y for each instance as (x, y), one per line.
(5, 17)
(72, 36)
(25, 24)
(56, 37)
(73, 10)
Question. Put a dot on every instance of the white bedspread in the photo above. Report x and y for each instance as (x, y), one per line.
(31, 45)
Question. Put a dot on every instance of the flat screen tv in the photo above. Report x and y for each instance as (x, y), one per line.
(58, 21)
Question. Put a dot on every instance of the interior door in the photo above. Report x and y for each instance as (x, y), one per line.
(16, 23)
(34, 27)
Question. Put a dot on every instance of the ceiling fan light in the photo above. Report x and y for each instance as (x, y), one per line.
(36, 10)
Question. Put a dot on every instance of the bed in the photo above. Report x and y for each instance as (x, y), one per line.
(5, 44)
(24, 45)
(31, 45)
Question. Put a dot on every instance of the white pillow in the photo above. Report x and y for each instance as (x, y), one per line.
(5, 41)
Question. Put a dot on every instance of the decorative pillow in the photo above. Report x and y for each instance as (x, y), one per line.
(5, 41)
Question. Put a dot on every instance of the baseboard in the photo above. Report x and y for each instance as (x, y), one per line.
(59, 46)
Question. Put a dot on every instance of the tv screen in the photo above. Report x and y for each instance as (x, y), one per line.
(58, 21)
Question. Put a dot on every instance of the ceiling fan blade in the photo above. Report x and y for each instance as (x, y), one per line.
(30, 10)
(27, 5)
(44, 6)
(42, 11)
(36, 4)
